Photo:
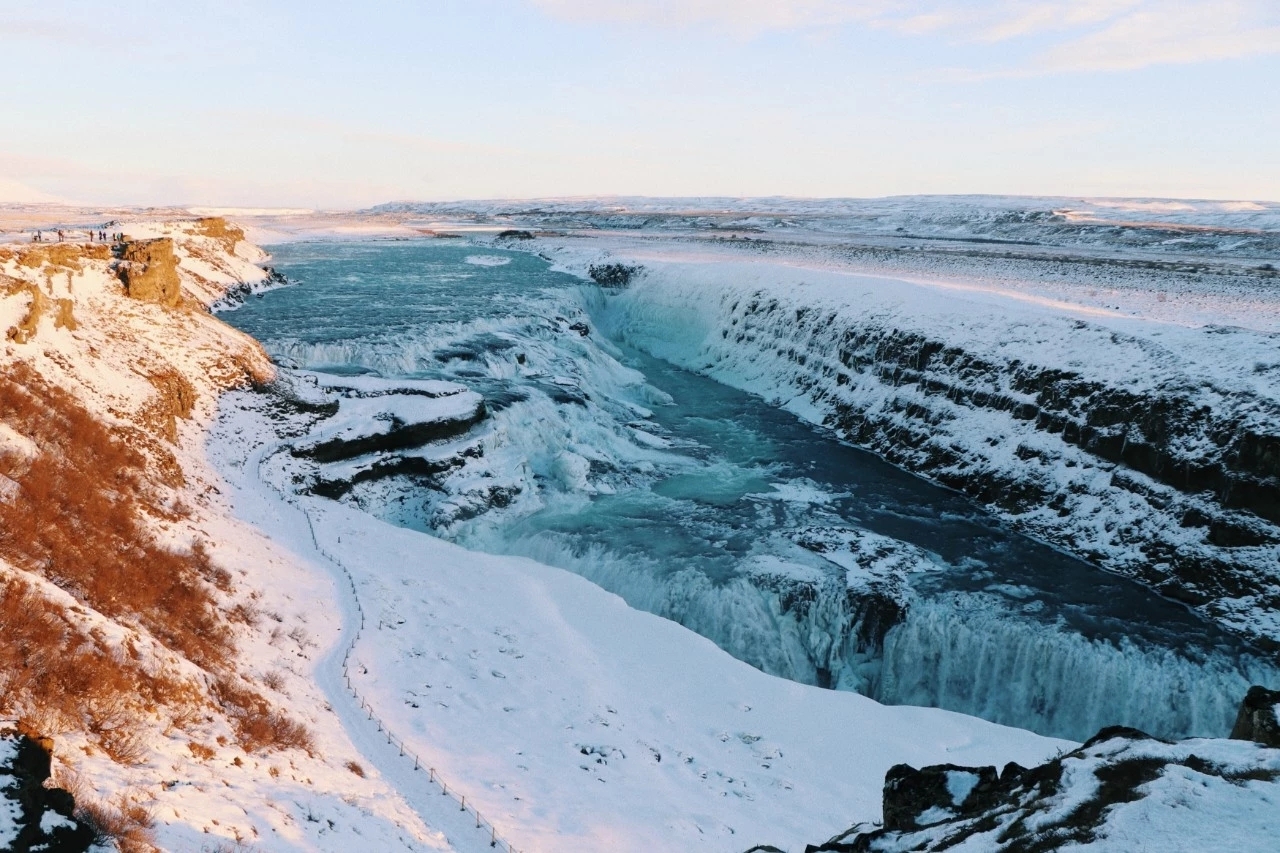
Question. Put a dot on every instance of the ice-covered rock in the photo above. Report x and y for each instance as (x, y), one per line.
(1122, 790)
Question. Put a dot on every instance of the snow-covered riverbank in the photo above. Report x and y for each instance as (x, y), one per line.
(569, 720)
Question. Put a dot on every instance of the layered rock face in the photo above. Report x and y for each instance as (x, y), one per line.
(1149, 450)
(360, 430)
(149, 270)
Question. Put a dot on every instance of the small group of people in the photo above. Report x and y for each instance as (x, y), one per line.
(94, 234)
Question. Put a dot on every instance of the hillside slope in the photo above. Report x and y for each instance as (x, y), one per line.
(165, 648)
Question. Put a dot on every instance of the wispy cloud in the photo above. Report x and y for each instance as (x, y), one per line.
(1172, 33)
(1109, 35)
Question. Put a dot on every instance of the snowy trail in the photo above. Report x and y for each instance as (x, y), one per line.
(434, 801)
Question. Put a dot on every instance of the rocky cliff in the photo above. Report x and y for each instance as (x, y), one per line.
(1150, 449)
(34, 817)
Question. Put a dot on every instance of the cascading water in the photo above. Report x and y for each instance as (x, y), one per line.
(700, 503)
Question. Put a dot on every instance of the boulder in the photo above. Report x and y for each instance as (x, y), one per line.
(612, 275)
(1071, 801)
(1259, 717)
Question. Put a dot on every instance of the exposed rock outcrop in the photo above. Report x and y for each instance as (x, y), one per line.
(1076, 799)
(612, 275)
(175, 399)
(33, 817)
(1259, 719)
(394, 433)
(41, 305)
(219, 229)
(149, 270)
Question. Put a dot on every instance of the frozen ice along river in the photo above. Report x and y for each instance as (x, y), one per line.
(803, 556)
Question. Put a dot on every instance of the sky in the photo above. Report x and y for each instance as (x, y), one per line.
(327, 104)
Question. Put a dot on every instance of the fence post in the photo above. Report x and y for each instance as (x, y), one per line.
(417, 763)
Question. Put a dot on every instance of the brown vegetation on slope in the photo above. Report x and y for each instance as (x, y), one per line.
(78, 522)
(75, 514)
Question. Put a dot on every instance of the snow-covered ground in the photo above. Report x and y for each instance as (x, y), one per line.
(569, 720)
(200, 788)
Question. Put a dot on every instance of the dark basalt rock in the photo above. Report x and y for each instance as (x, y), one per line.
(1041, 809)
(22, 782)
(1259, 717)
(612, 275)
(422, 470)
(400, 436)
(515, 234)
(910, 795)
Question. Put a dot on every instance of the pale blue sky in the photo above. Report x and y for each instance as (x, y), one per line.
(326, 104)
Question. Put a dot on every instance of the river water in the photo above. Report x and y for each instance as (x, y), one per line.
(701, 503)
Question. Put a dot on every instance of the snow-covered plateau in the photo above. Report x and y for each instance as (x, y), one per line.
(379, 519)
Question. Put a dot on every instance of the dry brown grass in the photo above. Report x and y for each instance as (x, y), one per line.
(78, 521)
(58, 677)
(200, 751)
(78, 518)
(258, 725)
(128, 824)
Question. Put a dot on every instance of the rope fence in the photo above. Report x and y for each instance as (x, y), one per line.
(433, 775)
(496, 841)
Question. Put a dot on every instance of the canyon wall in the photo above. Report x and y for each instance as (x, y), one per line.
(1150, 449)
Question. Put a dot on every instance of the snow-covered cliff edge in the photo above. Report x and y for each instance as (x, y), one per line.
(1151, 448)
